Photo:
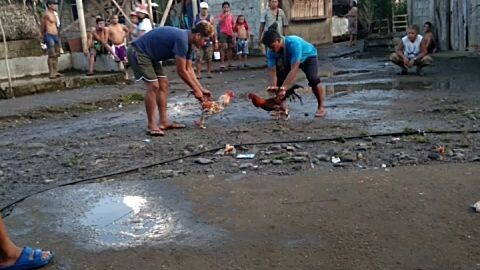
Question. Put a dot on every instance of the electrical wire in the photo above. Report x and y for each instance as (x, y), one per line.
(10, 205)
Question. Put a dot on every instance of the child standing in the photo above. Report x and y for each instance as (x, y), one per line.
(242, 36)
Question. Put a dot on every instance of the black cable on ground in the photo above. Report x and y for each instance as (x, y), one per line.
(137, 168)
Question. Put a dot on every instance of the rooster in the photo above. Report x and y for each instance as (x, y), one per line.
(210, 108)
(276, 104)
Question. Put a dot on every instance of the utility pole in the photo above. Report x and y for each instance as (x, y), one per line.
(81, 22)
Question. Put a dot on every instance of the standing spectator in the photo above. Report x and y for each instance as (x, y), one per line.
(242, 37)
(226, 22)
(352, 23)
(49, 34)
(273, 15)
(133, 29)
(205, 53)
(117, 35)
(98, 44)
(161, 44)
(144, 22)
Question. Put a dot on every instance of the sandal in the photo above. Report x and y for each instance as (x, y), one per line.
(29, 259)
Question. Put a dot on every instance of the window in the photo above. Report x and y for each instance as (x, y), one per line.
(308, 9)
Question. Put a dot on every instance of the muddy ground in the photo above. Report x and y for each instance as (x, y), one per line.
(56, 144)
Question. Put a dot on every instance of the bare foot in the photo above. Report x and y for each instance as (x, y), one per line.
(320, 113)
(172, 125)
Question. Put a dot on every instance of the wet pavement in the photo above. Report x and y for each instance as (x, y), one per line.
(290, 206)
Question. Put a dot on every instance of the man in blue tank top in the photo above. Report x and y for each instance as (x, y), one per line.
(162, 44)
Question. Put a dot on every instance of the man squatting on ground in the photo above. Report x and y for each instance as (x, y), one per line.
(98, 44)
(117, 35)
(49, 35)
(161, 44)
(285, 56)
(412, 51)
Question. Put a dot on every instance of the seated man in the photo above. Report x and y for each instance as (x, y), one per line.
(98, 44)
(412, 51)
(429, 38)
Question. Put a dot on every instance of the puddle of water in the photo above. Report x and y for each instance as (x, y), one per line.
(113, 215)
(115, 219)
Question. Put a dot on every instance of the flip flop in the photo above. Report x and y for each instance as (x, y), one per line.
(27, 261)
(321, 115)
(173, 126)
(154, 133)
(90, 74)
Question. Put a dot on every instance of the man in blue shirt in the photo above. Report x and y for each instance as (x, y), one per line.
(285, 56)
(161, 44)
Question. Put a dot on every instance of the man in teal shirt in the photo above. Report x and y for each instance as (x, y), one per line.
(285, 56)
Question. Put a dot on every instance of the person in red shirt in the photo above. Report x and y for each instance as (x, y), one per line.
(226, 22)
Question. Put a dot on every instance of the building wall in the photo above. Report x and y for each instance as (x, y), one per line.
(474, 22)
(317, 31)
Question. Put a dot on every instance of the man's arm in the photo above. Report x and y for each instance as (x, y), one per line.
(423, 50)
(289, 80)
(273, 76)
(185, 71)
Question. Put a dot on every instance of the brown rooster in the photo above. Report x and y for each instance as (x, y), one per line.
(276, 104)
(210, 108)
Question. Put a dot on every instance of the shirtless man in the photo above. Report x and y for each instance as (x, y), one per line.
(429, 38)
(49, 34)
(117, 34)
(98, 44)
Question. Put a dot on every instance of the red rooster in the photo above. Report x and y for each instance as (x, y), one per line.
(210, 108)
(276, 104)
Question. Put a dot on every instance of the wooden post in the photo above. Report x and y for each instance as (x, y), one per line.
(121, 10)
(195, 8)
(81, 21)
(150, 10)
(166, 12)
(10, 87)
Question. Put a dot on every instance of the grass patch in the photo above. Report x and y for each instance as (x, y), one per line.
(130, 98)
(418, 139)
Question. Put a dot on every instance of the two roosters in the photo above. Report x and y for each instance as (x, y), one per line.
(210, 108)
(276, 104)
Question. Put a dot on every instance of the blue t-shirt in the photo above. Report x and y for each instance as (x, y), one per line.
(297, 50)
(165, 43)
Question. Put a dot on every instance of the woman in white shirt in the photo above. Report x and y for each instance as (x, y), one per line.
(145, 24)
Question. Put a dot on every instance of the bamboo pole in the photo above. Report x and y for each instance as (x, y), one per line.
(81, 21)
(9, 75)
(123, 13)
(166, 12)
(150, 10)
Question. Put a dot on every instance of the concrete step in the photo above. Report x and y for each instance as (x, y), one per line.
(41, 84)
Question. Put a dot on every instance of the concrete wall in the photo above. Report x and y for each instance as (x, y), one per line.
(318, 31)
(37, 65)
(420, 11)
(474, 23)
(21, 48)
(32, 66)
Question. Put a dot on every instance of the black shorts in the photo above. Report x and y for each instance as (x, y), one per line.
(309, 67)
